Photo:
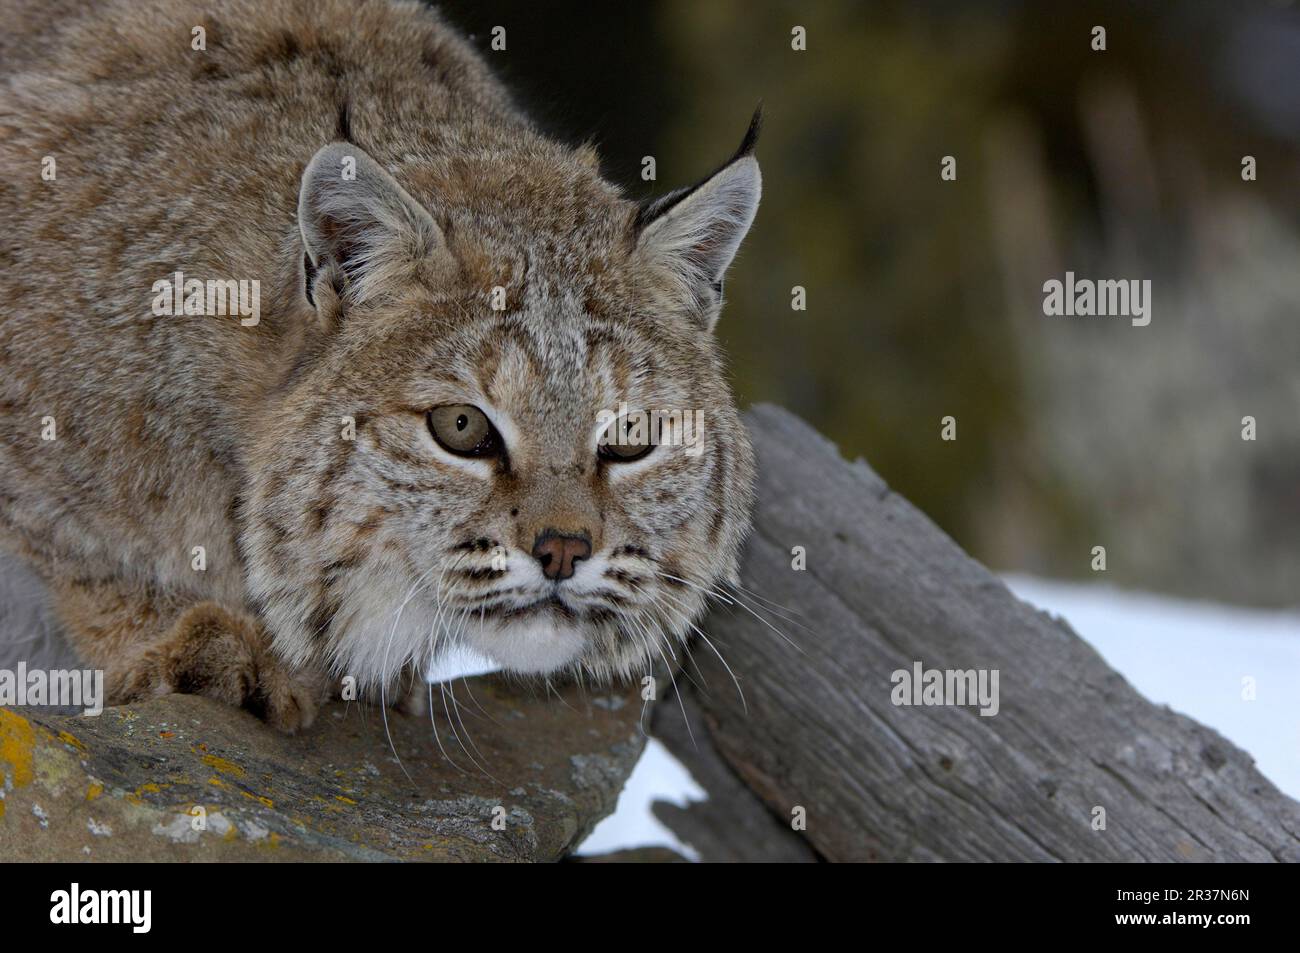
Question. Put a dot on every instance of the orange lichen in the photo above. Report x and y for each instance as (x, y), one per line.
(17, 742)
(264, 801)
(223, 766)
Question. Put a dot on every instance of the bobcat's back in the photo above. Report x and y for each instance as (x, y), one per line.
(168, 158)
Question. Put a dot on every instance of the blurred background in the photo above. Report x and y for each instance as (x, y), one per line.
(924, 296)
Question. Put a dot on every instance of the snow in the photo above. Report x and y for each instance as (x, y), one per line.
(658, 776)
(1192, 656)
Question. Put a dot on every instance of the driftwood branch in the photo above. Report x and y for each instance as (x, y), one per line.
(733, 825)
(885, 589)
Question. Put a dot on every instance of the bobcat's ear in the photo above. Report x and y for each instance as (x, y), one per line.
(358, 222)
(691, 235)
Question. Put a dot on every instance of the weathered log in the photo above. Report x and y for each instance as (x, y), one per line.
(884, 589)
(733, 825)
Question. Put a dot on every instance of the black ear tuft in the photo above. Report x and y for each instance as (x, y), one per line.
(751, 134)
(689, 237)
(309, 277)
(344, 131)
(651, 209)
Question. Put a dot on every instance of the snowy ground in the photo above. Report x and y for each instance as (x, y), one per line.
(1192, 656)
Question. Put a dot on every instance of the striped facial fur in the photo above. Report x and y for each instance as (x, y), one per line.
(422, 434)
(443, 467)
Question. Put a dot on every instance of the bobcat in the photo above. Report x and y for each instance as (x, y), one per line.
(409, 446)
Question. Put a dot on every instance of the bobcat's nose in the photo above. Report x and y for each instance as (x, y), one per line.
(557, 552)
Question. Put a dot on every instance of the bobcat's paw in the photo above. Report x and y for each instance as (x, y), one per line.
(412, 699)
(285, 699)
(210, 652)
(224, 655)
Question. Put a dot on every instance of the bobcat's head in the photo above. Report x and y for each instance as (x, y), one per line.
(510, 428)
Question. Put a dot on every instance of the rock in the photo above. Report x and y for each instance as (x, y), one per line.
(127, 785)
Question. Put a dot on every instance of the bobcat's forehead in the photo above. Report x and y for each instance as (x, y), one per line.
(555, 366)
(554, 358)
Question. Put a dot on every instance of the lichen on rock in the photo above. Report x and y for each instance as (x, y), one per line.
(511, 776)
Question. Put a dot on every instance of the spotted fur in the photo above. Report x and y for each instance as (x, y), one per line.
(362, 556)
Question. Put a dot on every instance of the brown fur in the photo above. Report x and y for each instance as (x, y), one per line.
(176, 432)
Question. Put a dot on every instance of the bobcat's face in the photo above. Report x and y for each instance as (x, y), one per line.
(513, 437)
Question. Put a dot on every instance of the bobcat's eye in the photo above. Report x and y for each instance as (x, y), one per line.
(626, 440)
(464, 431)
